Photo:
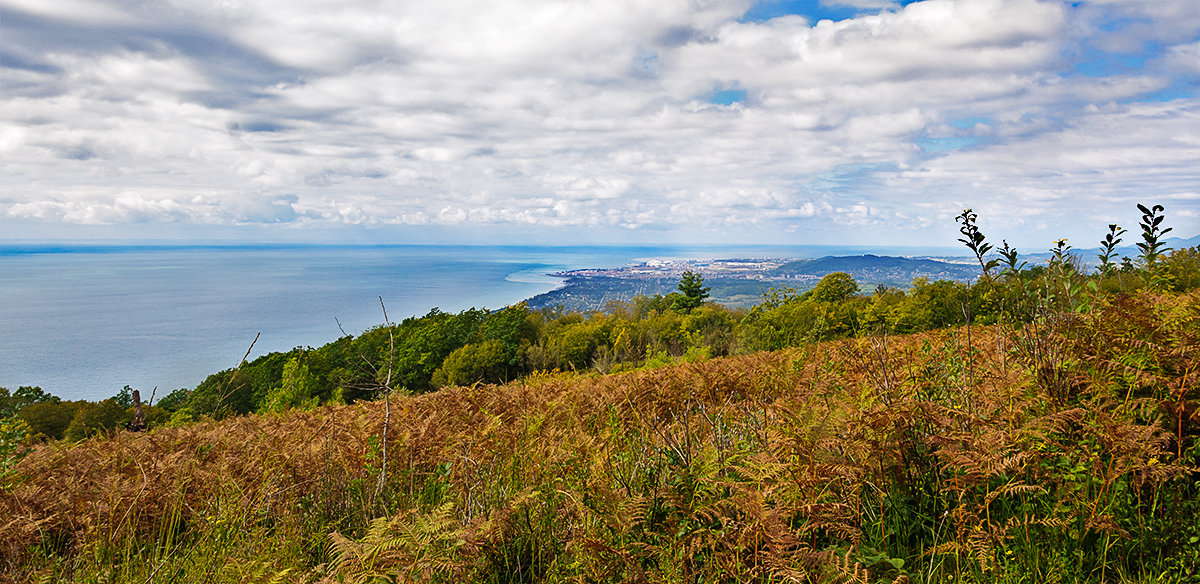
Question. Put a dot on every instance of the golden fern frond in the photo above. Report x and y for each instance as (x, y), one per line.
(1011, 488)
(425, 543)
(281, 576)
(1105, 523)
(256, 572)
(850, 573)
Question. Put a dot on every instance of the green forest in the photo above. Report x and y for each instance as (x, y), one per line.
(1036, 425)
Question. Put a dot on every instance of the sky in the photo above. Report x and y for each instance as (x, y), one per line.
(596, 121)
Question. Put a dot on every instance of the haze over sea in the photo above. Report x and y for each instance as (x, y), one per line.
(81, 321)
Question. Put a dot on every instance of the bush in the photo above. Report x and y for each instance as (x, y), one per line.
(14, 438)
(50, 419)
(484, 362)
(94, 419)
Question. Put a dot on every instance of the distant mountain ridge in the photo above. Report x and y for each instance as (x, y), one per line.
(1177, 242)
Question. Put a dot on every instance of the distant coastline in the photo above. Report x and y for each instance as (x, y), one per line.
(740, 282)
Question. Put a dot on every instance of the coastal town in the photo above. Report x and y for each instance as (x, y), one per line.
(742, 281)
(762, 269)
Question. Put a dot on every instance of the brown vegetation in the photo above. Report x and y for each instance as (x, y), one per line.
(1061, 450)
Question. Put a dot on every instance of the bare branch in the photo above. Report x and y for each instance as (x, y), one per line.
(387, 404)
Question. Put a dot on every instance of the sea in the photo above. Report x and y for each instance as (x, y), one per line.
(81, 321)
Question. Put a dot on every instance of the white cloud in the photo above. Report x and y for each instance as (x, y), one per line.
(82, 11)
(465, 113)
(1125, 25)
(128, 75)
(1077, 177)
(1184, 58)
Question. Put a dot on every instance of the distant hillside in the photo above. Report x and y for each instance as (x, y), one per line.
(892, 271)
(739, 283)
(1177, 242)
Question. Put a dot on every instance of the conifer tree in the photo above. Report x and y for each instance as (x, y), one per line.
(691, 285)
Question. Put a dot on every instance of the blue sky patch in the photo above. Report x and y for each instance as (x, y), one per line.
(1103, 64)
(813, 10)
(971, 122)
(934, 145)
(1172, 93)
(727, 96)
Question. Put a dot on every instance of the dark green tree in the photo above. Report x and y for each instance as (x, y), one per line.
(482, 362)
(175, 400)
(513, 327)
(50, 418)
(25, 395)
(835, 287)
(773, 325)
(94, 419)
(691, 285)
(124, 398)
(1183, 266)
(297, 388)
(930, 305)
(714, 327)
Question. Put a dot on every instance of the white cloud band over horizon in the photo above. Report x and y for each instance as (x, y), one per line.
(528, 121)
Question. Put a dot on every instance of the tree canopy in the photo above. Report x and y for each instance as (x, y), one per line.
(691, 285)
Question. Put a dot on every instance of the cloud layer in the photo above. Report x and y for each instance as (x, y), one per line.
(672, 119)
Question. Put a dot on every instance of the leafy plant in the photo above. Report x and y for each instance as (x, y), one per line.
(13, 435)
(1108, 248)
(975, 241)
(1059, 253)
(1152, 245)
(1012, 266)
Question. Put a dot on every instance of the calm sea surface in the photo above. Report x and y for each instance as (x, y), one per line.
(83, 321)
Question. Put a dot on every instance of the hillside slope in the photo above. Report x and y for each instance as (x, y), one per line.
(892, 271)
(1060, 451)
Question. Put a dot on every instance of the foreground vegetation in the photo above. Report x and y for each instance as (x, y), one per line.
(1047, 435)
(1057, 452)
